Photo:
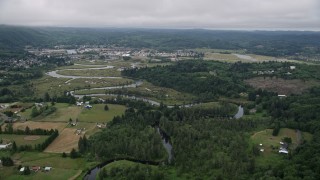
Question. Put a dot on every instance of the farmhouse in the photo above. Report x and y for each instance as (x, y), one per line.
(284, 148)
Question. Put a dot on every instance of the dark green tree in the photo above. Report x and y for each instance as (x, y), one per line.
(73, 154)
(27, 130)
(14, 146)
(46, 97)
(106, 108)
(26, 170)
(64, 155)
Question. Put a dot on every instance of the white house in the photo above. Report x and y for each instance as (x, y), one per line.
(292, 67)
(282, 96)
(284, 151)
(22, 169)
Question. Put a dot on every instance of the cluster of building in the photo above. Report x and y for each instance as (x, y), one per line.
(36, 169)
(98, 52)
(85, 105)
(25, 63)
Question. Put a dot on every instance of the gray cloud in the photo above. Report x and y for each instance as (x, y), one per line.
(245, 14)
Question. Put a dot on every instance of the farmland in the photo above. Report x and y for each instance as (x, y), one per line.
(63, 168)
(271, 145)
(281, 86)
(23, 139)
(98, 114)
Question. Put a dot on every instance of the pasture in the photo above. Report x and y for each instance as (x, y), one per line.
(62, 168)
(281, 86)
(98, 114)
(63, 113)
(66, 140)
(90, 72)
(23, 139)
(271, 144)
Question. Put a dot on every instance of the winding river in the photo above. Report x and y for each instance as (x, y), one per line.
(92, 174)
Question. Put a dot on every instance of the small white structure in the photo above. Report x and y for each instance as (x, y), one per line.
(261, 150)
(283, 151)
(281, 143)
(4, 146)
(79, 103)
(260, 144)
(282, 96)
(292, 67)
(88, 106)
(22, 169)
(47, 168)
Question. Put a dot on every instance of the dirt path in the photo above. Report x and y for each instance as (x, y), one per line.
(258, 133)
(76, 175)
(299, 137)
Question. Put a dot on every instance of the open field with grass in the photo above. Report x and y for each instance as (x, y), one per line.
(66, 140)
(96, 83)
(160, 94)
(56, 86)
(91, 72)
(63, 168)
(98, 114)
(23, 139)
(42, 125)
(63, 113)
(269, 142)
(281, 86)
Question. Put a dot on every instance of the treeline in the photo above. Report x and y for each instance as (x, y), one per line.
(9, 130)
(47, 142)
(6, 95)
(41, 132)
(45, 110)
(14, 39)
(129, 103)
(206, 80)
(134, 172)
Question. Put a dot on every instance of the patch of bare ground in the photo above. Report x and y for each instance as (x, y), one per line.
(281, 86)
(31, 138)
(66, 140)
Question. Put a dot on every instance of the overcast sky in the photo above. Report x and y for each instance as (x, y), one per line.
(215, 14)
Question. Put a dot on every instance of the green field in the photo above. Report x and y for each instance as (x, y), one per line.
(91, 72)
(56, 86)
(268, 141)
(62, 114)
(98, 114)
(63, 168)
(19, 139)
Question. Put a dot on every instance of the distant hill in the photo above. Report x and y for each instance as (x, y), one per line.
(275, 43)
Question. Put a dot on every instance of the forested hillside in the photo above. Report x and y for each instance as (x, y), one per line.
(13, 38)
